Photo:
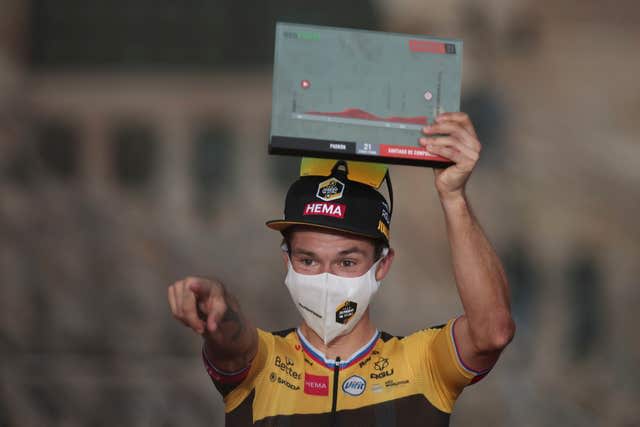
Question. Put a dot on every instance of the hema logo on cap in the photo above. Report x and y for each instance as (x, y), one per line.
(354, 385)
(334, 210)
(329, 190)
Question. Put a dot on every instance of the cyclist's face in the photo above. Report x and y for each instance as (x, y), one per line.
(315, 252)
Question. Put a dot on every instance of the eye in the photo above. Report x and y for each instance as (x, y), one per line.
(347, 263)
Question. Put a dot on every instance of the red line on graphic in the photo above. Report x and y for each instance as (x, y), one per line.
(356, 113)
(426, 46)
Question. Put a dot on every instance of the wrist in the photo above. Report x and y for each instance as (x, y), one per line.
(452, 198)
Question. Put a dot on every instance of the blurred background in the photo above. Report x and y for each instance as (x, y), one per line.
(124, 166)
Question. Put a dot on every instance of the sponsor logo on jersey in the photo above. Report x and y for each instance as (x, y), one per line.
(286, 366)
(329, 190)
(380, 365)
(334, 210)
(275, 378)
(345, 311)
(392, 383)
(363, 363)
(316, 385)
(383, 374)
(288, 384)
(354, 385)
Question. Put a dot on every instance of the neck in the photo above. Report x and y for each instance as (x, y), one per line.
(345, 345)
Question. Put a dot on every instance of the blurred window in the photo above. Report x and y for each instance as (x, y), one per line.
(524, 283)
(585, 305)
(168, 33)
(134, 152)
(212, 166)
(58, 145)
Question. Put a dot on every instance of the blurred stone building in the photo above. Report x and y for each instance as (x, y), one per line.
(133, 152)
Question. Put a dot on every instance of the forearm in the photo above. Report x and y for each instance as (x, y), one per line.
(234, 342)
(480, 278)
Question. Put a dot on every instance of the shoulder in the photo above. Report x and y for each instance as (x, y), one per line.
(283, 333)
(421, 336)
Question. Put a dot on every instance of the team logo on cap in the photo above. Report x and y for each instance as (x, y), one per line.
(329, 190)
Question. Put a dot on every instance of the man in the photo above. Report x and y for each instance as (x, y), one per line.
(336, 368)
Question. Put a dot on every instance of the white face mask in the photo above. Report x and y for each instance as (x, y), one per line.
(332, 305)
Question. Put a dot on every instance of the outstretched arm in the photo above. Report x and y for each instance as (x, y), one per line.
(486, 327)
(204, 305)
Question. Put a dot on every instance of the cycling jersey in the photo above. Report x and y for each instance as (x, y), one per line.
(391, 381)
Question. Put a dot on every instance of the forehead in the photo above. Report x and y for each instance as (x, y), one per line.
(316, 239)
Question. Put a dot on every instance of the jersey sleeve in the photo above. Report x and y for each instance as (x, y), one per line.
(236, 386)
(435, 357)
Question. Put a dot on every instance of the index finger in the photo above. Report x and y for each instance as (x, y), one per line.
(459, 117)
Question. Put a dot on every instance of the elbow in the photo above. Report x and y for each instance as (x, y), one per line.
(504, 334)
(497, 336)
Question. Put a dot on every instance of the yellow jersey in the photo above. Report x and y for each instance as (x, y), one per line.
(391, 381)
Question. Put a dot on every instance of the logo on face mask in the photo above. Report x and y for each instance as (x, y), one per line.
(309, 310)
(329, 190)
(345, 312)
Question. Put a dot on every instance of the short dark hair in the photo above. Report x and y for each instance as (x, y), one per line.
(378, 244)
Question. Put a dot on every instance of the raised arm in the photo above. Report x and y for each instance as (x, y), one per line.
(486, 327)
(204, 305)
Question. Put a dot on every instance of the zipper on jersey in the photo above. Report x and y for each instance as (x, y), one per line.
(334, 402)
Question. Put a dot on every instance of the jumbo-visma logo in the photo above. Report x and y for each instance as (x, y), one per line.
(354, 385)
(329, 190)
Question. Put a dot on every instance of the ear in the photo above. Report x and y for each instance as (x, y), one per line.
(385, 265)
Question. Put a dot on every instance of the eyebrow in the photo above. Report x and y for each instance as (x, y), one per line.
(349, 251)
(352, 250)
(303, 252)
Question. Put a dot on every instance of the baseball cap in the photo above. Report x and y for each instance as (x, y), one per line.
(334, 198)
